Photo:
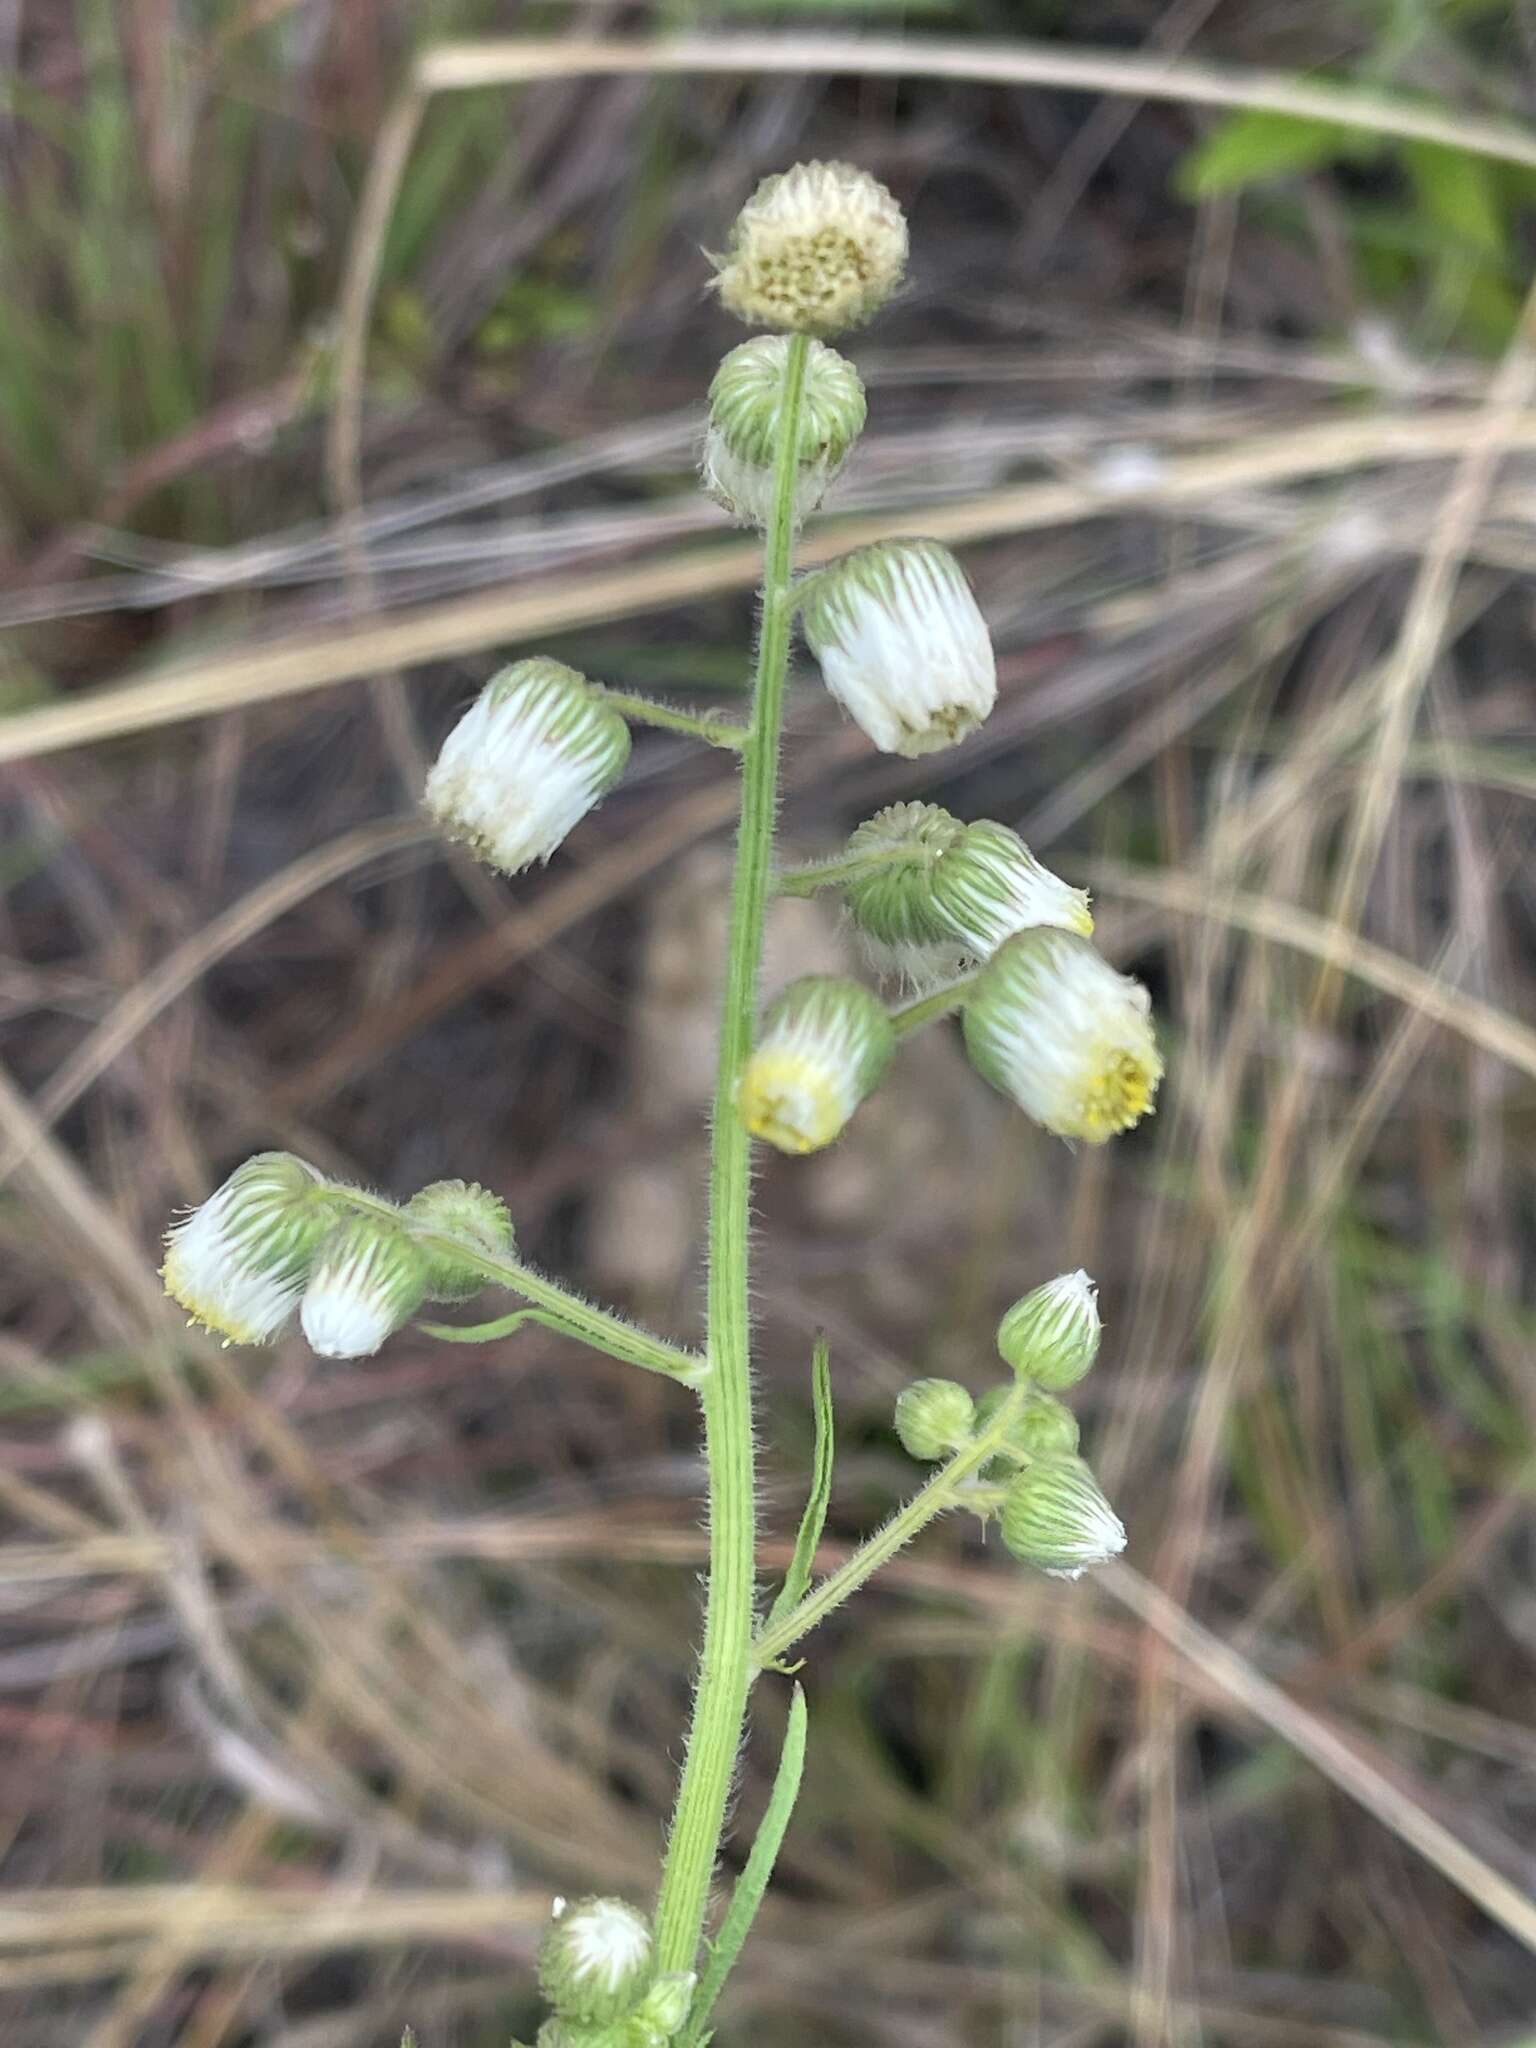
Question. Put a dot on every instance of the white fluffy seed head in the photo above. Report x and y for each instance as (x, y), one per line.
(902, 644)
(536, 751)
(238, 1262)
(1055, 1516)
(1051, 1024)
(815, 251)
(369, 1277)
(596, 1961)
(824, 1045)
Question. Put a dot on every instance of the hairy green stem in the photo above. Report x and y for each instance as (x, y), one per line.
(708, 726)
(844, 868)
(913, 1016)
(945, 1490)
(725, 1661)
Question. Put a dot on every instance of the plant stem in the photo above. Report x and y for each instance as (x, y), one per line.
(725, 1661)
(913, 1016)
(942, 1492)
(708, 726)
(844, 868)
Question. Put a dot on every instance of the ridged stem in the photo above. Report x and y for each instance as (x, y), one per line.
(725, 1661)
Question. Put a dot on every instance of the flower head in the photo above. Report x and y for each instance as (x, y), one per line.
(1055, 1515)
(1052, 1335)
(745, 405)
(989, 885)
(825, 1043)
(595, 1963)
(239, 1262)
(469, 1212)
(814, 251)
(902, 645)
(534, 753)
(1043, 1426)
(1051, 1024)
(933, 1418)
(368, 1278)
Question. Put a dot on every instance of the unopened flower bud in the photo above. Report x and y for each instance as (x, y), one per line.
(933, 1418)
(239, 1262)
(1043, 1427)
(814, 251)
(664, 2008)
(902, 644)
(534, 753)
(825, 1043)
(464, 1210)
(989, 886)
(1051, 1336)
(369, 1277)
(1055, 1515)
(596, 1961)
(1051, 1024)
(745, 405)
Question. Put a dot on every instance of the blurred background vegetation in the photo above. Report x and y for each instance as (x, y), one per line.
(314, 1682)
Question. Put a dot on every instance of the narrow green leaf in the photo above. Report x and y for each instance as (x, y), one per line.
(1254, 144)
(798, 1577)
(504, 1326)
(753, 1882)
(1459, 195)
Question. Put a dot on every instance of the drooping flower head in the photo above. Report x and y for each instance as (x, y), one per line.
(1051, 1336)
(816, 250)
(745, 406)
(824, 1044)
(902, 644)
(596, 1961)
(239, 1262)
(464, 1210)
(369, 1277)
(989, 886)
(1051, 1024)
(1055, 1516)
(534, 753)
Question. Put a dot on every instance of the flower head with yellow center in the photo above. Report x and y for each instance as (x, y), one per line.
(825, 1043)
(239, 1262)
(815, 251)
(1051, 1024)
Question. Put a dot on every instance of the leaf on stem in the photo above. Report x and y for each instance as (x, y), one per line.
(798, 1577)
(753, 1882)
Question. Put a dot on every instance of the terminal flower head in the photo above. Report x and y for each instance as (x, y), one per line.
(1051, 1024)
(825, 1043)
(536, 751)
(816, 250)
(1051, 1336)
(902, 644)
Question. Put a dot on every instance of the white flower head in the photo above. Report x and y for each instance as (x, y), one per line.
(534, 753)
(596, 1963)
(1052, 1336)
(814, 251)
(989, 885)
(369, 1277)
(745, 407)
(239, 1262)
(902, 644)
(824, 1045)
(1055, 1516)
(1051, 1024)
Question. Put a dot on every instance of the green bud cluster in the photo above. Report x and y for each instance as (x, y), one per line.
(597, 1969)
(279, 1237)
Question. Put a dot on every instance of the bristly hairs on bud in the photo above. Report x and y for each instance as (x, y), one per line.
(238, 1263)
(596, 1963)
(902, 644)
(369, 1278)
(933, 1418)
(988, 886)
(1051, 1336)
(1050, 1023)
(465, 1210)
(534, 753)
(1055, 1516)
(816, 250)
(824, 1045)
(745, 403)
